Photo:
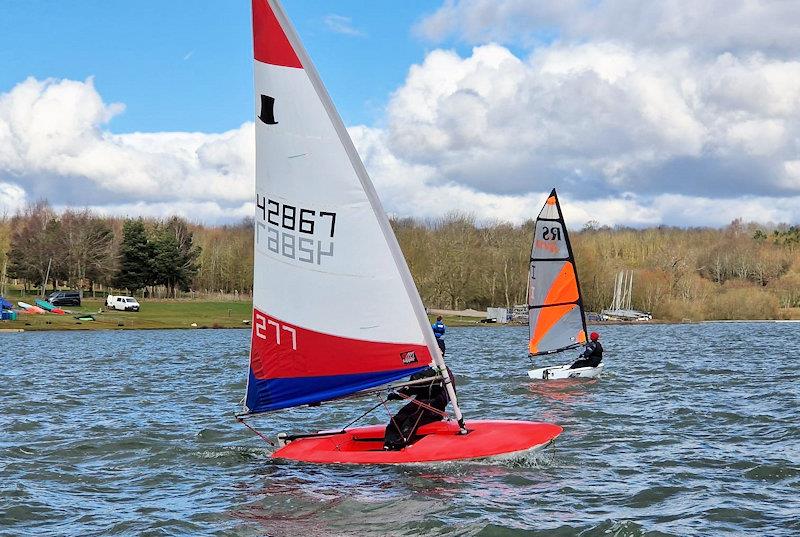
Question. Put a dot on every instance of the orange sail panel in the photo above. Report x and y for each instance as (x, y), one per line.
(556, 317)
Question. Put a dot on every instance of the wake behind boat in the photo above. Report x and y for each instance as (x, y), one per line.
(324, 250)
(556, 316)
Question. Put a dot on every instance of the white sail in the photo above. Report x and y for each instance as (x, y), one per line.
(335, 308)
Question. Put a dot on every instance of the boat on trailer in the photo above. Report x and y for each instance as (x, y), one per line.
(336, 313)
(556, 316)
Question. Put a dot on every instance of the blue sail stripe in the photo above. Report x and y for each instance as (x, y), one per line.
(274, 394)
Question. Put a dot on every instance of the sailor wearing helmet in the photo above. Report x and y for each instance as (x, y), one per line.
(593, 354)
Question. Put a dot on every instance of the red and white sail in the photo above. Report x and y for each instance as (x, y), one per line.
(335, 310)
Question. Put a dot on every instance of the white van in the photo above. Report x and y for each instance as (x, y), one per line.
(122, 303)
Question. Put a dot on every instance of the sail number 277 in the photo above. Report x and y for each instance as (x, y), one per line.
(265, 327)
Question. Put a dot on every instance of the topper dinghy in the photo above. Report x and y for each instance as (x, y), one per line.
(27, 308)
(45, 305)
(335, 310)
(555, 308)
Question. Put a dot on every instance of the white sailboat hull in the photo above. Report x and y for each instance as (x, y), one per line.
(564, 372)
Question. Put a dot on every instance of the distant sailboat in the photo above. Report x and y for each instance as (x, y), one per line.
(556, 317)
(335, 310)
(621, 309)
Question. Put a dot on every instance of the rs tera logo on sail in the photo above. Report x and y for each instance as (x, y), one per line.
(260, 330)
(550, 236)
(551, 233)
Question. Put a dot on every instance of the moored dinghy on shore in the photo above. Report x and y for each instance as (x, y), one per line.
(28, 308)
(324, 250)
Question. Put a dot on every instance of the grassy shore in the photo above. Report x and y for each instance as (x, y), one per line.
(184, 313)
(159, 314)
(154, 314)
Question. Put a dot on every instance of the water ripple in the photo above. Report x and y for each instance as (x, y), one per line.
(692, 431)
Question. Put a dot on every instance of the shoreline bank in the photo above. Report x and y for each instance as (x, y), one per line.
(209, 314)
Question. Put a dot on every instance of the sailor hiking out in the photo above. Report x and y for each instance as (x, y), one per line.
(593, 354)
(430, 400)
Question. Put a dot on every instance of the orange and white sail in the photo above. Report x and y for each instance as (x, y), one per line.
(556, 317)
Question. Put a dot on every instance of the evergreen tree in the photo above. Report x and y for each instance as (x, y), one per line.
(136, 257)
(175, 260)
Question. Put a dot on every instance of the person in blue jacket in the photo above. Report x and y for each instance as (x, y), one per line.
(438, 331)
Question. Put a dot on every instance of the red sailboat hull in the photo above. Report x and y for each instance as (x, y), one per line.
(438, 442)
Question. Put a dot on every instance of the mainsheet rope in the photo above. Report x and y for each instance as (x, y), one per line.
(263, 437)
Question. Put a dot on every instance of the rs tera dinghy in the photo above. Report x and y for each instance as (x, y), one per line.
(556, 317)
(335, 311)
(558, 372)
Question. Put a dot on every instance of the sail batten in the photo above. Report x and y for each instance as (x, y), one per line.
(556, 317)
(335, 309)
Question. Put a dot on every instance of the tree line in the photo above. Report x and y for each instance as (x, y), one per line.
(743, 271)
(740, 271)
(81, 250)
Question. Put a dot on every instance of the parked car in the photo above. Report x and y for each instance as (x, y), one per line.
(65, 298)
(122, 303)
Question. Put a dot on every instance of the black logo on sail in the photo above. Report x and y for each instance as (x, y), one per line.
(267, 114)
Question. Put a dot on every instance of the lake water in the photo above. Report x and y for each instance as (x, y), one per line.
(692, 430)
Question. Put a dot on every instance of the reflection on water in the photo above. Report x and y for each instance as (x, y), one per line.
(131, 433)
(563, 390)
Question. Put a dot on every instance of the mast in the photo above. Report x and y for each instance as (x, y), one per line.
(372, 196)
(630, 290)
(46, 277)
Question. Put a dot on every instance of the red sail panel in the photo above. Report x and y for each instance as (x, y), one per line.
(270, 43)
(282, 350)
(291, 366)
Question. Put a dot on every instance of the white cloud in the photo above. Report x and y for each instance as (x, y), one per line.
(628, 135)
(12, 199)
(711, 25)
(600, 117)
(342, 25)
(54, 144)
(416, 190)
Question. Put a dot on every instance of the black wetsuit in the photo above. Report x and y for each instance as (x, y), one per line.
(404, 424)
(591, 357)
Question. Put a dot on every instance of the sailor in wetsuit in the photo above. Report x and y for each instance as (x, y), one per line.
(593, 354)
(404, 424)
(438, 331)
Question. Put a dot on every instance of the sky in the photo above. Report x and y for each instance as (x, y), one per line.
(640, 113)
